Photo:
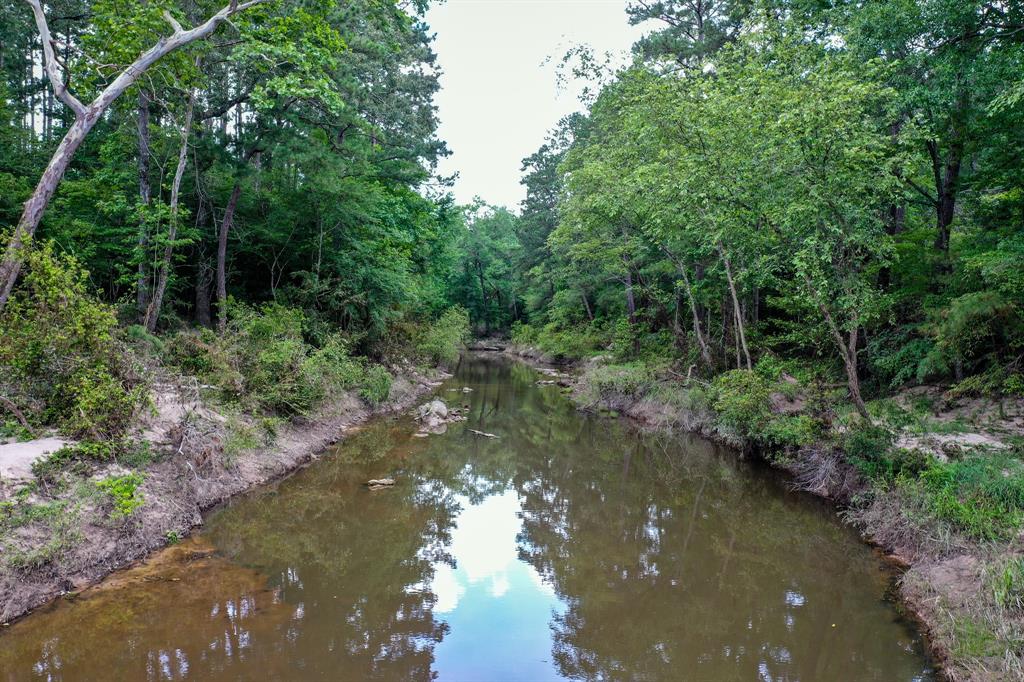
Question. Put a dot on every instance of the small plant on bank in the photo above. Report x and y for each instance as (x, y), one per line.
(375, 386)
(81, 457)
(124, 492)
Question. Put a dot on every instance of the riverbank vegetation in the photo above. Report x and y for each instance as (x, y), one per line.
(234, 240)
(802, 222)
(798, 223)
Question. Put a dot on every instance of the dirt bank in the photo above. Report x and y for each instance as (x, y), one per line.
(76, 541)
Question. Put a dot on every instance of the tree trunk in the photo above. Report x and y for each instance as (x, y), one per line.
(153, 310)
(145, 192)
(85, 119)
(705, 351)
(222, 257)
(630, 299)
(36, 204)
(204, 278)
(848, 350)
(586, 306)
(737, 315)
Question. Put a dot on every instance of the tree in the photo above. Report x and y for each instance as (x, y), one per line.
(86, 117)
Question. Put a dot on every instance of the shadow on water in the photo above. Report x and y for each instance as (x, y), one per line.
(569, 547)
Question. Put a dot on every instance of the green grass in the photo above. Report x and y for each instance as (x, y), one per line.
(981, 495)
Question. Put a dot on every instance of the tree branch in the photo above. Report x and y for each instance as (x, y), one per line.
(60, 89)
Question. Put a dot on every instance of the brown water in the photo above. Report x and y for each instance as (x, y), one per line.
(569, 547)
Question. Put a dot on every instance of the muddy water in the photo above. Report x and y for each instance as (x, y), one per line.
(569, 547)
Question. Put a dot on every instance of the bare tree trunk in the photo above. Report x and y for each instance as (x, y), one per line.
(204, 278)
(85, 119)
(847, 349)
(630, 299)
(738, 316)
(705, 351)
(222, 256)
(145, 192)
(153, 310)
(586, 306)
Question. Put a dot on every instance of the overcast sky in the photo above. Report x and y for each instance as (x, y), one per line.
(497, 99)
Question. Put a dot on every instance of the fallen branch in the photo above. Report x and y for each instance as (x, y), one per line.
(13, 409)
(483, 433)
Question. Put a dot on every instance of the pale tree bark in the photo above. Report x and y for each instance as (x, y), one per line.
(153, 310)
(847, 349)
(698, 330)
(737, 315)
(145, 193)
(86, 117)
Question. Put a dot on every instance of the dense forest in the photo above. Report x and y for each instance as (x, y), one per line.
(826, 181)
(817, 198)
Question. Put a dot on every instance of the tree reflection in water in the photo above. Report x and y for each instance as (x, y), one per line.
(568, 547)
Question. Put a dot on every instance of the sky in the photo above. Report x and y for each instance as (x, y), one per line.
(498, 99)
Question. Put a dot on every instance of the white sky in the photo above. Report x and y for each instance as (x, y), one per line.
(497, 99)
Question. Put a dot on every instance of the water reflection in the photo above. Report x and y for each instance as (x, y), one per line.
(566, 548)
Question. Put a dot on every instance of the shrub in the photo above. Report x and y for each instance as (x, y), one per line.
(791, 430)
(58, 348)
(742, 400)
(631, 381)
(124, 492)
(440, 340)
(375, 386)
(869, 448)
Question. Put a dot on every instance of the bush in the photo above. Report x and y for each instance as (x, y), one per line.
(792, 430)
(742, 400)
(869, 448)
(80, 456)
(375, 386)
(440, 341)
(631, 381)
(124, 492)
(58, 350)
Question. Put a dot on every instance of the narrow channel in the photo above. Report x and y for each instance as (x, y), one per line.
(568, 547)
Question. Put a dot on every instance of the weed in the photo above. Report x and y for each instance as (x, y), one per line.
(124, 492)
(375, 386)
(240, 437)
(1007, 583)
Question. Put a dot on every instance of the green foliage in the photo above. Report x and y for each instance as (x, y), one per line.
(1007, 583)
(441, 339)
(742, 400)
(80, 457)
(59, 349)
(792, 431)
(375, 386)
(610, 382)
(562, 343)
(982, 495)
(124, 493)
